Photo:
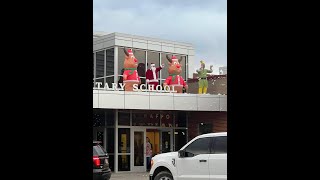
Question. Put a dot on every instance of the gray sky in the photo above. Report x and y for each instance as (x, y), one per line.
(201, 23)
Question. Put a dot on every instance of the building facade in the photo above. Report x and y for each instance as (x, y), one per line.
(123, 120)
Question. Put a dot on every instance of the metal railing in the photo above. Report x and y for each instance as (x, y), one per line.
(122, 76)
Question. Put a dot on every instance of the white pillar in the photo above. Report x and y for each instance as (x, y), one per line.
(116, 142)
(115, 80)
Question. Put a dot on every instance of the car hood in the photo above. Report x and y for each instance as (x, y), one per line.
(166, 155)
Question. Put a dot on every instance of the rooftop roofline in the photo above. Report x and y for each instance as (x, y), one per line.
(139, 37)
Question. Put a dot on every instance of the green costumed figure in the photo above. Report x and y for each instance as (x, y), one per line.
(202, 75)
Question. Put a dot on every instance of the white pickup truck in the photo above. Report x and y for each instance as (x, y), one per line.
(203, 158)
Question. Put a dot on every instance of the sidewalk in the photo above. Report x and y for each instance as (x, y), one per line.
(130, 176)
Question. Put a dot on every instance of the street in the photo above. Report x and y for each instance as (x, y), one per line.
(130, 176)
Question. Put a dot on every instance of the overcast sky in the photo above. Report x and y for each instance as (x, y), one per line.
(201, 23)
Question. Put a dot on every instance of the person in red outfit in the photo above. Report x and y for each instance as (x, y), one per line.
(152, 75)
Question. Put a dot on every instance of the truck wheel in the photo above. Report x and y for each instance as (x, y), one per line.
(164, 175)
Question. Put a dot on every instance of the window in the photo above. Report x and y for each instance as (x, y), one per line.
(100, 64)
(145, 118)
(141, 56)
(124, 118)
(181, 120)
(180, 136)
(153, 57)
(110, 62)
(199, 146)
(98, 118)
(98, 150)
(220, 145)
(124, 140)
(121, 57)
(110, 66)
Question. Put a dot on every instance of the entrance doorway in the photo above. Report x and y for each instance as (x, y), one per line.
(138, 159)
(166, 141)
(161, 140)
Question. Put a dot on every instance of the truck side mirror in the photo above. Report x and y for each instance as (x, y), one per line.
(182, 153)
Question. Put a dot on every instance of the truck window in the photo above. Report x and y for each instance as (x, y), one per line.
(219, 145)
(199, 146)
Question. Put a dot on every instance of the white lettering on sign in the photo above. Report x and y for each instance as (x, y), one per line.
(99, 84)
(143, 87)
(135, 87)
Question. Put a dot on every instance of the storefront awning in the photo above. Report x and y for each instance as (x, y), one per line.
(158, 101)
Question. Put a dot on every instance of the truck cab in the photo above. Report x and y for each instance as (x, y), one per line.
(203, 158)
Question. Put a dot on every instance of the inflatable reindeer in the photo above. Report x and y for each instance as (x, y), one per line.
(174, 79)
(130, 74)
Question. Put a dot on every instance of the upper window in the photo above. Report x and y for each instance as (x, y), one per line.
(199, 146)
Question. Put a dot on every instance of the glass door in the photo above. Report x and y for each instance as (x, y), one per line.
(166, 141)
(138, 149)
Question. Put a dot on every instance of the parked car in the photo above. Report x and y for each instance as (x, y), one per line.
(101, 170)
(204, 157)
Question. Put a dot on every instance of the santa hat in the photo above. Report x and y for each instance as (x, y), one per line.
(174, 58)
(130, 51)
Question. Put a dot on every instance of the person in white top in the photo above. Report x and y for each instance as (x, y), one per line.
(148, 153)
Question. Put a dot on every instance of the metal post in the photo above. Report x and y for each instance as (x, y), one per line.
(94, 69)
(116, 61)
(116, 142)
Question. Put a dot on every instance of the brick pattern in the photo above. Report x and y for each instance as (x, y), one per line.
(218, 120)
(215, 86)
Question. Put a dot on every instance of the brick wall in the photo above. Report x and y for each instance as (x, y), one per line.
(218, 120)
(215, 86)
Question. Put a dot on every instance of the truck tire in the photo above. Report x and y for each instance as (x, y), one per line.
(164, 175)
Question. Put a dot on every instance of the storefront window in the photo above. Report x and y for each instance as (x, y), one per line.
(124, 163)
(124, 118)
(166, 118)
(180, 136)
(138, 148)
(110, 117)
(124, 140)
(181, 119)
(111, 162)
(205, 128)
(110, 140)
(145, 118)
(98, 118)
(100, 137)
